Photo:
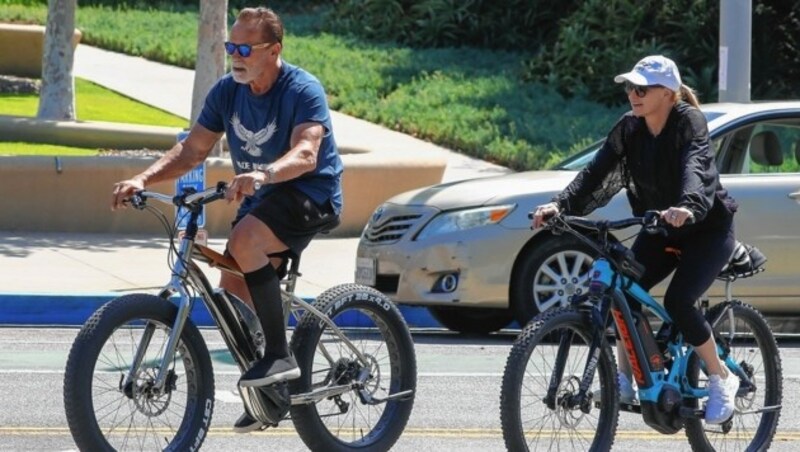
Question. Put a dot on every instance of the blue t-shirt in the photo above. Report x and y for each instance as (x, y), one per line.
(259, 129)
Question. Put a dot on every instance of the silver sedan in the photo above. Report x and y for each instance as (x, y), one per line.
(466, 251)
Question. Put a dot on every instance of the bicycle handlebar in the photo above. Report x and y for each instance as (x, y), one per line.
(185, 199)
(651, 220)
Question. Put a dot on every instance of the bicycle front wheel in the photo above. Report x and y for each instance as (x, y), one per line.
(745, 337)
(106, 412)
(535, 418)
(375, 327)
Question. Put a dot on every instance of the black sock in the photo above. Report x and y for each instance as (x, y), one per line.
(265, 290)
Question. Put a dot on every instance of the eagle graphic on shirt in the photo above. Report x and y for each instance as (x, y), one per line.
(252, 140)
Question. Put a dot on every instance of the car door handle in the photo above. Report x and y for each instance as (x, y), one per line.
(795, 196)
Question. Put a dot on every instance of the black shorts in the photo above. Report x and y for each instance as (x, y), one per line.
(292, 216)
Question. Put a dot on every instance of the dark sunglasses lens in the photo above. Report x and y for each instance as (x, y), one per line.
(244, 49)
(641, 91)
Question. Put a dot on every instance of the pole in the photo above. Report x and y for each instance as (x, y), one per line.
(735, 36)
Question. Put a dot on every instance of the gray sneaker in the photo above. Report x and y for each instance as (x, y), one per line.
(270, 370)
(246, 424)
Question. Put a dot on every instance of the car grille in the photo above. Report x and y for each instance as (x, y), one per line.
(391, 229)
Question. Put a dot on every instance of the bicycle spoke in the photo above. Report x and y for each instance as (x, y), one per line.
(538, 419)
(753, 349)
(384, 363)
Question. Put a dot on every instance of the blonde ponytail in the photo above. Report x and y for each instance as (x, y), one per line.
(687, 94)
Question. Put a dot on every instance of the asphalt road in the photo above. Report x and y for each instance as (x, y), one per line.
(456, 407)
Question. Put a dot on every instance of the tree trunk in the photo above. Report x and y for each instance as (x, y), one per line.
(57, 95)
(210, 65)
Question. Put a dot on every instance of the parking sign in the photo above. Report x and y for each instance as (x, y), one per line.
(196, 179)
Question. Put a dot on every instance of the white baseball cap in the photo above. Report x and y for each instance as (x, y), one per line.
(653, 70)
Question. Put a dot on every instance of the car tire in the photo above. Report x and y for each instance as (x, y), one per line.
(471, 320)
(533, 286)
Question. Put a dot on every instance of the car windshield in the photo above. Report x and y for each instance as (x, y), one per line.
(582, 158)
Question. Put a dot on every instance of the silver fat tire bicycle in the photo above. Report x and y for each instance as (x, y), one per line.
(139, 375)
(560, 390)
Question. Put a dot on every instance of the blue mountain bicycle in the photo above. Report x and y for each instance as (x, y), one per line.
(559, 386)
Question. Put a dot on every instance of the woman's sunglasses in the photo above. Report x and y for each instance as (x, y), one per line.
(640, 91)
(244, 49)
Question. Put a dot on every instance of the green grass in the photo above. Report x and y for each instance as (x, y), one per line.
(95, 103)
(466, 99)
(17, 149)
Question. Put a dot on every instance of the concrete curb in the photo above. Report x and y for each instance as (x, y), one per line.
(87, 134)
(31, 309)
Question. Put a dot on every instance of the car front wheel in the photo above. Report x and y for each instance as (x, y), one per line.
(548, 275)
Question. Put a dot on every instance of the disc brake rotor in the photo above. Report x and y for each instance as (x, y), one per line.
(570, 417)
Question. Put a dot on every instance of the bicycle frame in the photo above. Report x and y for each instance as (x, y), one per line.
(606, 280)
(610, 291)
(561, 388)
(237, 323)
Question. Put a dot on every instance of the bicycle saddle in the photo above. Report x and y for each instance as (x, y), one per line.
(745, 261)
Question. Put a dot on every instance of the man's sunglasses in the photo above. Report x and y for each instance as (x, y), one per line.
(244, 49)
(641, 91)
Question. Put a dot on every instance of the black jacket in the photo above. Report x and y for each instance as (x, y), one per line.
(676, 168)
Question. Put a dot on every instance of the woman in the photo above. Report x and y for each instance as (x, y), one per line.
(659, 152)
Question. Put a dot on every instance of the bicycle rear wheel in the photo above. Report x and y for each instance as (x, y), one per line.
(104, 413)
(374, 325)
(746, 337)
(532, 421)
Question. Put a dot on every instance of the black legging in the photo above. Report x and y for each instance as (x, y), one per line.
(703, 255)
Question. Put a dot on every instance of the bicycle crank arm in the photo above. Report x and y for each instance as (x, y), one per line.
(686, 412)
(319, 394)
(370, 400)
(691, 413)
(766, 409)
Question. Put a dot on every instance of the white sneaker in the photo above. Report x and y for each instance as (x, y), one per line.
(721, 397)
(627, 393)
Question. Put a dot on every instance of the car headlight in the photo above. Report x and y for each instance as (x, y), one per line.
(460, 220)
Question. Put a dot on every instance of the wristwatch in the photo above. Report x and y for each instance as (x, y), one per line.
(270, 171)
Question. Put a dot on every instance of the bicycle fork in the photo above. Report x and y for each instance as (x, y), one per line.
(581, 399)
(184, 309)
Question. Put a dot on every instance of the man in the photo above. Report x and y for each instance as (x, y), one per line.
(288, 174)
